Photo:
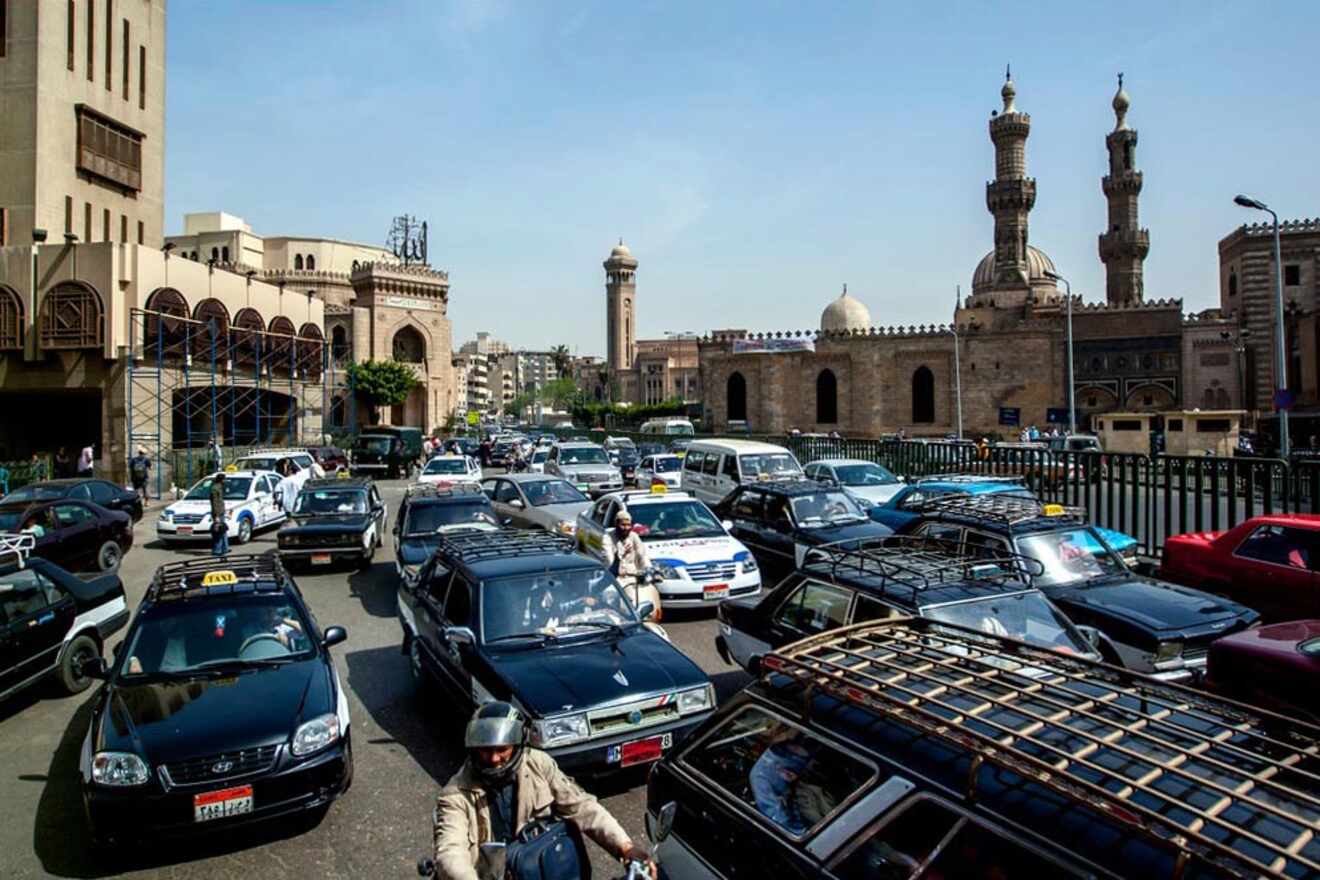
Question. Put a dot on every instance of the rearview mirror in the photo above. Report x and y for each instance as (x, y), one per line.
(333, 636)
(646, 610)
(460, 635)
(516, 502)
(1091, 634)
(658, 828)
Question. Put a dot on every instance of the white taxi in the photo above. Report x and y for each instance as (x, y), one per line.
(249, 507)
(664, 468)
(701, 563)
(450, 469)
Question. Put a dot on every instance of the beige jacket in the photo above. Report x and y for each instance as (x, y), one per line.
(631, 553)
(462, 817)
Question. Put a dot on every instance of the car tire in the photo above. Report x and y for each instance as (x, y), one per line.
(109, 556)
(83, 649)
(244, 531)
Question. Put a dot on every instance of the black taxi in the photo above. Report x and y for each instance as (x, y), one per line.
(914, 749)
(519, 616)
(334, 519)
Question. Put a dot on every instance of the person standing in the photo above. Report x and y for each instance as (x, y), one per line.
(286, 490)
(62, 463)
(427, 447)
(85, 459)
(139, 468)
(219, 528)
(216, 455)
(483, 451)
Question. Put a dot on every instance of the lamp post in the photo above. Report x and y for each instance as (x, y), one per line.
(1280, 356)
(1072, 402)
(957, 377)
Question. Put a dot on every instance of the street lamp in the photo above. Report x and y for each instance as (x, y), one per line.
(1072, 403)
(957, 377)
(1280, 356)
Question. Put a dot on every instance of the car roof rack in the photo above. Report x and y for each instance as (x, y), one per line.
(1001, 507)
(212, 575)
(1211, 779)
(18, 545)
(477, 546)
(960, 477)
(336, 482)
(919, 562)
(268, 450)
(790, 485)
(445, 490)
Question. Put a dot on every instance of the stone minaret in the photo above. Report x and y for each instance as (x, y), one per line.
(620, 309)
(1011, 195)
(1124, 245)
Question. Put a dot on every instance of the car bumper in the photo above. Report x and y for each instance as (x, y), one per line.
(196, 531)
(692, 594)
(1192, 672)
(595, 490)
(595, 758)
(138, 814)
(337, 552)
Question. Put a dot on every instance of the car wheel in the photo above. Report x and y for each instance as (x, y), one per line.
(368, 556)
(244, 531)
(108, 557)
(81, 650)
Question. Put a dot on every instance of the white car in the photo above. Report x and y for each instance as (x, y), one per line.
(269, 460)
(537, 463)
(666, 468)
(249, 507)
(449, 469)
(701, 563)
(867, 482)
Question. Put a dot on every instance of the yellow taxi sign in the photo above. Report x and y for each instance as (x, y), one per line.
(659, 488)
(231, 468)
(342, 473)
(219, 578)
(1053, 510)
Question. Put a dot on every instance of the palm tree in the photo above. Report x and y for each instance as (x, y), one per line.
(559, 354)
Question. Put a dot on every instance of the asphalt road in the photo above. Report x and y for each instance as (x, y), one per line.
(404, 752)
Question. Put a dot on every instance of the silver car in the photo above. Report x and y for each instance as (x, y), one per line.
(586, 466)
(536, 501)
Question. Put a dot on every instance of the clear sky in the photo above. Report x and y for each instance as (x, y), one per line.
(754, 156)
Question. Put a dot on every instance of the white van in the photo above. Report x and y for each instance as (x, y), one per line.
(714, 468)
(669, 428)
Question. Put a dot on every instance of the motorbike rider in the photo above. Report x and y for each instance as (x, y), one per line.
(625, 555)
(501, 786)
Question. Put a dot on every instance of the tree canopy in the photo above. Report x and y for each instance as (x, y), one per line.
(381, 383)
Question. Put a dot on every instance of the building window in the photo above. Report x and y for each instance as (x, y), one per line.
(109, 39)
(1292, 275)
(123, 228)
(105, 224)
(87, 221)
(923, 396)
(142, 238)
(1232, 284)
(311, 262)
(224, 254)
(297, 261)
(142, 77)
(11, 318)
(409, 347)
(70, 25)
(736, 398)
(108, 149)
(4, 218)
(71, 317)
(127, 49)
(215, 255)
(91, 40)
(827, 398)
(68, 215)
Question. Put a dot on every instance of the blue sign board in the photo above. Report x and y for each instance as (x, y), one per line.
(1010, 415)
(1056, 415)
(1284, 399)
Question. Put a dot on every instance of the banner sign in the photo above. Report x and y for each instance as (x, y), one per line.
(1010, 415)
(410, 302)
(757, 346)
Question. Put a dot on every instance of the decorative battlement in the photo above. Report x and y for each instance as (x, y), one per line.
(1127, 183)
(1144, 305)
(420, 271)
(1017, 193)
(1309, 224)
(274, 276)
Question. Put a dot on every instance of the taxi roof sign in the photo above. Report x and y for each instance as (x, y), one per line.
(221, 578)
(1053, 510)
(659, 488)
(231, 468)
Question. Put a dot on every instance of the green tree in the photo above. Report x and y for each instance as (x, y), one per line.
(381, 383)
(559, 354)
(520, 403)
(561, 393)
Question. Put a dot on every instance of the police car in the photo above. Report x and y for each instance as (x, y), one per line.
(701, 563)
(250, 505)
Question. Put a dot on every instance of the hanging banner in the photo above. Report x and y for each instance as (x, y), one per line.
(761, 346)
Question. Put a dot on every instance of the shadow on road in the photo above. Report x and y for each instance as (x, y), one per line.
(727, 684)
(376, 588)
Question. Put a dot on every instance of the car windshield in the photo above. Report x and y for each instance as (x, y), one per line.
(583, 455)
(182, 638)
(236, 489)
(1026, 616)
(555, 603)
(864, 475)
(427, 519)
(1069, 556)
(331, 501)
(445, 466)
(37, 492)
(666, 465)
(826, 508)
(772, 464)
(374, 444)
(675, 519)
(256, 464)
(543, 492)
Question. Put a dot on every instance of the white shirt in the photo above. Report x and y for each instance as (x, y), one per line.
(287, 491)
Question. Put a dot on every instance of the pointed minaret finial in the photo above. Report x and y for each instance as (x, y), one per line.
(620, 239)
(1121, 104)
(845, 289)
(1120, 79)
(1008, 92)
(1008, 73)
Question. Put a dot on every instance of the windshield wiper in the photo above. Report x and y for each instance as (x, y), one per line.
(615, 628)
(235, 663)
(544, 637)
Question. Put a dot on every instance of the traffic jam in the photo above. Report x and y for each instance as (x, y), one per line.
(936, 677)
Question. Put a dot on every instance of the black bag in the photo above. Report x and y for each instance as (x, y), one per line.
(548, 849)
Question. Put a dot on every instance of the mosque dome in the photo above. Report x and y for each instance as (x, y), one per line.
(620, 250)
(1038, 263)
(844, 315)
(621, 256)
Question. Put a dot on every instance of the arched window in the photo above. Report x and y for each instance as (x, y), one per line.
(409, 346)
(827, 398)
(736, 398)
(224, 254)
(311, 262)
(311, 342)
(1208, 399)
(246, 340)
(923, 396)
(211, 330)
(1221, 398)
(165, 328)
(297, 261)
(11, 320)
(1232, 284)
(338, 342)
(279, 343)
(215, 254)
(71, 317)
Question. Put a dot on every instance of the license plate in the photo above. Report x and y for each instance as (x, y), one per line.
(222, 804)
(320, 558)
(185, 530)
(711, 592)
(641, 751)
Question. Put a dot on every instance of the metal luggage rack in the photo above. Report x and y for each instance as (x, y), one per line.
(252, 571)
(920, 562)
(465, 487)
(1211, 779)
(17, 544)
(269, 450)
(474, 546)
(1001, 507)
(962, 477)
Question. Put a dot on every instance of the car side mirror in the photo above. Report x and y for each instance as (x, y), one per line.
(491, 860)
(1091, 634)
(646, 610)
(658, 828)
(96, 668)
(460, 635)
(516, 502)
(828, 481)
(333, 636)
(728, 524)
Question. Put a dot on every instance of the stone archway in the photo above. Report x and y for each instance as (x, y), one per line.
(408, 345)
(11, 319)
(736, 398)
(923, 396)
(827, 398)
(71, 316)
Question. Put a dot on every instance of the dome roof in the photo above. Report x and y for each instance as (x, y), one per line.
(844, 315)
(620, 250)
(1038, 263)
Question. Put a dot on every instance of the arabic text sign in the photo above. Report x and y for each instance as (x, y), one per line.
(749, 346)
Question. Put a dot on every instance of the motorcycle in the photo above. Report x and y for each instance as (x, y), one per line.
(501, 861)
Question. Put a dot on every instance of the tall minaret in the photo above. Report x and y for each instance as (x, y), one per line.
(620, 309)
(1011, 195)
(1123, 247)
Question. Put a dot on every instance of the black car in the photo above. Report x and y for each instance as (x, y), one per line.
(779, 520)
(334, 518)
(51, 622)
(626, 459)
(519, 616)
(502, 452)
(1150, 626)
(427, 512)
(906, 749)
(76, 535)
(890, 577)
(222, 706)
(102, 492)
(379, 455)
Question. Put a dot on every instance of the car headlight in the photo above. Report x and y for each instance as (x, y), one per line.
(559, 731)
(696, 700)
(119, 768)
(667, 571)
(567, 528)
(749, 564)
(1168, 651)
(167, 515)
(314, 735)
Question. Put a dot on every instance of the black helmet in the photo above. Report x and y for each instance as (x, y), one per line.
(496, 725)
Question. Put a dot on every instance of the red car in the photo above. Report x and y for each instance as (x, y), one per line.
(1270, 563)
(330, 458)
(1274, 667)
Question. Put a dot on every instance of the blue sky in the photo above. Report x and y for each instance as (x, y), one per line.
(755, 156)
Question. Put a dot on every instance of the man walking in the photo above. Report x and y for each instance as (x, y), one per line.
(139, 467)
(216, 454)
(219, 528)
(85, 459)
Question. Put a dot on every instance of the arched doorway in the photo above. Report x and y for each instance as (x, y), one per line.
(11, 320)
(310, 346)
(827, 398)
(923, 396)
(736, 398)
(409, 346)
(279, 344)
(246, 340)
(165, 326)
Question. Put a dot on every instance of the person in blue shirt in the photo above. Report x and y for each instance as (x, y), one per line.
(775, 777)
